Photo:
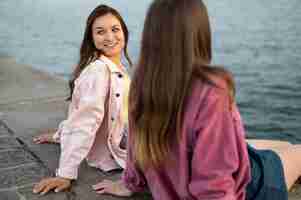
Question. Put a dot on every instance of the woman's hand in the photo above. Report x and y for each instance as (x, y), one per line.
(54, 183)
(116, 188)
(45, 136)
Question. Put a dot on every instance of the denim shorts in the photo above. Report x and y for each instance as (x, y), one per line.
(267, 182)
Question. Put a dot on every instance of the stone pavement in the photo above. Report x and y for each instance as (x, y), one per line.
(31, 101)
(21, 167)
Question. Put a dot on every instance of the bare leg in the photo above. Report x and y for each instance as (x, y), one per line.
(291, 161)
(269, 144)
(289, 154)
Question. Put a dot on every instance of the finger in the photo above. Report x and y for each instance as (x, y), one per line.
(102, 191)
(48, 187)
(38, 142)
(36, 139)
(102, 184)
(40, 186)
(62, 187)
(106, 181)
(41, 140)
(108, 190)
(98, 186)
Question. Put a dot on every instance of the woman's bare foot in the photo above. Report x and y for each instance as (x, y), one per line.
(45, 137)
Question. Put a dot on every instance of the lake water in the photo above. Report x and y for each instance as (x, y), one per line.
(259, 41)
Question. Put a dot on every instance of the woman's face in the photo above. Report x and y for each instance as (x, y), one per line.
(108, 35)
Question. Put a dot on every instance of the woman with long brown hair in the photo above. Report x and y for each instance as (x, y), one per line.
(97, 120)
(186, 138)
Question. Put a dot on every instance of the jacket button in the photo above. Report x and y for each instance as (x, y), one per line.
(117, 94)
(120, 75)
(112, 118)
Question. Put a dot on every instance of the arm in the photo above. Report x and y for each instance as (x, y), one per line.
(77, 133)
(57, 133)
(217, 153)
(132, 176)
(79, 130)
(132, 179)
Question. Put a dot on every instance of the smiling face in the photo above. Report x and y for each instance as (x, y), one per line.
(108, 35)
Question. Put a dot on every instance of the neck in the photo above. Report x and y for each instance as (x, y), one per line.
(116, 60)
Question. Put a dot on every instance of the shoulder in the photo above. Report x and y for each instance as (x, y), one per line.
(97, 66)
(207, 104)
(219, 82)
(93, 71)
(217, 79)
(216, 89)
(205, 100)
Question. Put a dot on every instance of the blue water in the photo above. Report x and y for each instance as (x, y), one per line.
(259, 41)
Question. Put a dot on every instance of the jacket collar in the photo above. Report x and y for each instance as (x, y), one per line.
(112, 66)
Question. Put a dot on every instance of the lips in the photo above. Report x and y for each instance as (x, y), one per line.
(110, 45)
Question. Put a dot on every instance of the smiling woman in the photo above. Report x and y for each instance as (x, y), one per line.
(97, 120)
(108, 36)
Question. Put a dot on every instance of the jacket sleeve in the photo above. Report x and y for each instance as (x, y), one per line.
(217, 152)
(57, 134)
(132, 176)
(79, 130)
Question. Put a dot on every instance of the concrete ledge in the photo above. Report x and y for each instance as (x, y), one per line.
(31, 101)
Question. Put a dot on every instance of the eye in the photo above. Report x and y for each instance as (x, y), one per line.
(100, 32)
(116, 29)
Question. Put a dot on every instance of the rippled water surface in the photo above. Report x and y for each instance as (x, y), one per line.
(259, 41)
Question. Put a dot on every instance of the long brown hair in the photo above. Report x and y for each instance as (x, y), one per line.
(88, 51)
(176, 46)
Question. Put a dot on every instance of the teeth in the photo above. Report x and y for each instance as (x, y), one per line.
(109, 45)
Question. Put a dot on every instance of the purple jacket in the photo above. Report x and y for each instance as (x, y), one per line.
(211, 160)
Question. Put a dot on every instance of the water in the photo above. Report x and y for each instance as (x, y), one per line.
(259, 41)
(47, 34)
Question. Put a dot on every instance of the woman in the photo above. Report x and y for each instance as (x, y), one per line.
(186, 138)
(97, 120)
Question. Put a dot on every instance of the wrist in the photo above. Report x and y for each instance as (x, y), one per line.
(66, 173)
(65, 179)
(122, 184)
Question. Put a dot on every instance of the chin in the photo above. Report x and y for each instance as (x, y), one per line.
(112, 54)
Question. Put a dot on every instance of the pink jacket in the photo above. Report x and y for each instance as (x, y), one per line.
(211, 161)
(97, 120)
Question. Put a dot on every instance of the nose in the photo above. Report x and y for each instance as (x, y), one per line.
(109, 36)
